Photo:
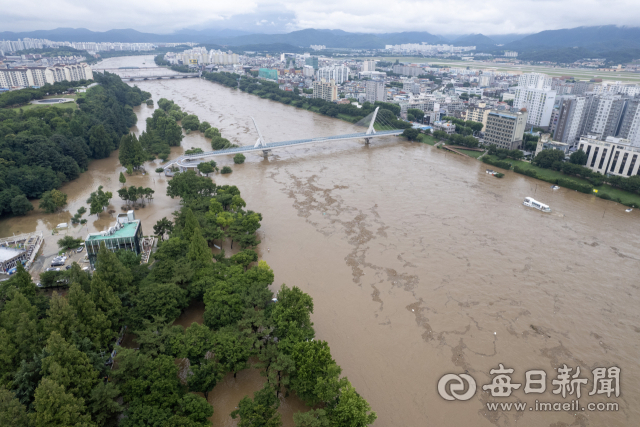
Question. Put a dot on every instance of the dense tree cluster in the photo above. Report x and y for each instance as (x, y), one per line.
(163, 131)
(133, 193)
(42, 148)
(55, 352)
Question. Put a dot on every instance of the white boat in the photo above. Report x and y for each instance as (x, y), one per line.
(629, 210)
(533, 203)
(554, 187)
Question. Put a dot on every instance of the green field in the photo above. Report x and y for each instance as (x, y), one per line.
(471, 153)
(426, 139)
(549, 175)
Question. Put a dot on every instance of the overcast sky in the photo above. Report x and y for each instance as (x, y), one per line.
(375, 16)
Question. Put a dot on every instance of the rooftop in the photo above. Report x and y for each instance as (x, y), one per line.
(127, 229)
(8, 253)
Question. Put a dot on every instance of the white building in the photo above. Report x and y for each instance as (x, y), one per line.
(510, 54)
(368, 65)
(614, 156)
(375, 91)
(339, 73)
(534, 93)
(39, 76)
(326, 90)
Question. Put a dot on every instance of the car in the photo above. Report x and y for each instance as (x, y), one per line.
(53, 269)
(56, 262)
(67, 267)
(80, 249)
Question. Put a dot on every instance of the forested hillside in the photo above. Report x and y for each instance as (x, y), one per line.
(42, 148)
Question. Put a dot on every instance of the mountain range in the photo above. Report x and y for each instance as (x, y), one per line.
(596, 39)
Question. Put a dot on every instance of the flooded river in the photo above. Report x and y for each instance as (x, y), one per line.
(419, 263)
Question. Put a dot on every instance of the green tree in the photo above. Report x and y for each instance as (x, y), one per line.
(211, 133)
(122, 179)
(312, 418)
(98, 200)
(102, 404)
(54, 407)
(411, 134)
(12, 412)
(578, 158)
(20, 205)
(130, 152)
(313, 361)
(68, 242)
(164, 299)
(91, 322)
(223, 306)
(162, 227)
(68, 366)
(261, 411)
(204, 126)
(292, 317)
(52, 201)
(351, 409)
(205, 168)
(546, 158)
(199, 254)
(239, 158)
(190, 122)
(100, 143)
(61, 317)
(205, 376)
(159, 170)
(226, 170)
(232, 349)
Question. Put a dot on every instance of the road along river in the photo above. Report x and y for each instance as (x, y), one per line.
(419, 263)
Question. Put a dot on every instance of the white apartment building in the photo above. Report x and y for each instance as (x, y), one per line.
(570, 117)
(338, 73)
(39, 76)
(614, 156)
(375, 91)
(534, 93)
(368, 65)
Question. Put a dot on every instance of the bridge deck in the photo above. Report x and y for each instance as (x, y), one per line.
(248, 148)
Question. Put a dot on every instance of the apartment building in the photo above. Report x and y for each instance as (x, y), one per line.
(368, 65)
(614, 156)
(505, 130)
(326, 90)
(338, 73)
(408, 71)
(39, 76)
(375, 91)
(534, 93)
(569, 118)
(479, 114)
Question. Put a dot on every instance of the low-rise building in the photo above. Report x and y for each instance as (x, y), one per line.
(447, 127)
(613, 156)
(125, 234)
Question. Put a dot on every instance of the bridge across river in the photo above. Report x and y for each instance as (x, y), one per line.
(148, 73)
(188, 161)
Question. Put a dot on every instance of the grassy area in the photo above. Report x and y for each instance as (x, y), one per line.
(549, 175)
(471, 153)
(427, 139)
(71, 105)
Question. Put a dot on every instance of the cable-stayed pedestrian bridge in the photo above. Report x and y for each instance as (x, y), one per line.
(190, 161)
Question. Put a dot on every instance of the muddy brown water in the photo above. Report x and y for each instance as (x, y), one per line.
(419, 263)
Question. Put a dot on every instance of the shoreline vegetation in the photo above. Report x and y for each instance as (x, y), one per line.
(42, 148)
(56, 350)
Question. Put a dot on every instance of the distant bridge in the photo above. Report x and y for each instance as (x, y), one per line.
(148, 73)
(187, 161)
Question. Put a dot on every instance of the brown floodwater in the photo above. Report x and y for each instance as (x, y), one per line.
(419, 263)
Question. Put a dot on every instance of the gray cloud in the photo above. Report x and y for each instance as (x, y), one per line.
(375, 16)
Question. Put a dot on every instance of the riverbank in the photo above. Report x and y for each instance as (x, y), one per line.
(604, 191)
